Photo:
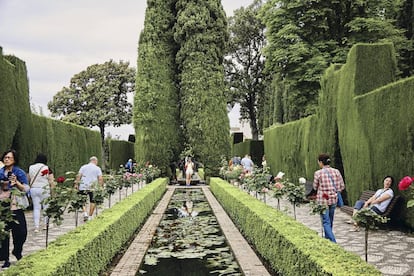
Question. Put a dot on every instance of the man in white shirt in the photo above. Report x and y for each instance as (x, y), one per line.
(88, 175)
(247, 163)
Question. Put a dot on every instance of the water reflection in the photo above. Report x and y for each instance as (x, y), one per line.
(189, 241)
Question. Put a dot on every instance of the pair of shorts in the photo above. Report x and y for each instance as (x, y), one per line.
(87, 193)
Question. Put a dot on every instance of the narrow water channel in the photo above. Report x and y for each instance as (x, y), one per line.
(189, 241)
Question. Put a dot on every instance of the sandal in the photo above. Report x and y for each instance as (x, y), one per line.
(355, 229)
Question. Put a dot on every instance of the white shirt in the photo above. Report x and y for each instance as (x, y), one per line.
(89, 174)
(42, 179)
(383, 205)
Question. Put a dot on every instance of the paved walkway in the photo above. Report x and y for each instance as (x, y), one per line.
(37, 241)
(392, 252)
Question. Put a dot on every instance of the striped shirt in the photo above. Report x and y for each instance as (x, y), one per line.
(326, 193)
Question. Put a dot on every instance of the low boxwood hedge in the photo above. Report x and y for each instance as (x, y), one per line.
(290, 247)
(88, 249)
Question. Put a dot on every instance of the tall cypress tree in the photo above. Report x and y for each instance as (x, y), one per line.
(201, 33)
(156, 108)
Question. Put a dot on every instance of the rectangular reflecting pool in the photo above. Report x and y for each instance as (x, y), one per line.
(189, 241)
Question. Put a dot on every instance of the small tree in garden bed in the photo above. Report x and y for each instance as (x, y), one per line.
(317, 209)
(112, 183)
(6, 216)
(260, 181)
(369, 220)
(295, 193)
(277, 188)
(99, 195)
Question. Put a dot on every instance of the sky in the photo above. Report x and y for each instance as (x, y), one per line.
(58, 39)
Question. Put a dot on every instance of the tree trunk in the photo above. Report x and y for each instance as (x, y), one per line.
(103, 159)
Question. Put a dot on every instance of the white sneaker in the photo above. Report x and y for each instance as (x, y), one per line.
(36, 230)
(90, 218)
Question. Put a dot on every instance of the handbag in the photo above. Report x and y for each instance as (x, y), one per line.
(22, 201)
(340, 201)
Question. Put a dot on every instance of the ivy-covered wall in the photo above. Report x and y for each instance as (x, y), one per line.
(365, 121)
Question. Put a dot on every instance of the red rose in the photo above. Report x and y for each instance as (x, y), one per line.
(45, 172)
(60, 179)
(405, 183)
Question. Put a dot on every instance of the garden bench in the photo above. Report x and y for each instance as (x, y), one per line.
(365, 196)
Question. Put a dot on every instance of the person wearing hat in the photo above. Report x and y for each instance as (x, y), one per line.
(87, 176)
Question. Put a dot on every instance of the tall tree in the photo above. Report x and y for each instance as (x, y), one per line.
(304, 37)
(245, 64)
(201, 33)
(156, 107)
(97, 96)
(405, 19)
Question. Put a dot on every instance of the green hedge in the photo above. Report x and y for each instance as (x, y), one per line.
(254, 148)
(119, 153)
(363, 121)
(290, 247)
(66, 145)
(88, 249)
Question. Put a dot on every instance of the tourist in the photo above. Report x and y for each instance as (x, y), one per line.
(13, 178)
(327, 182)
(247, 163)
(129, 166)
(378, 203)
(88, 175)
(41, 184)
(189, 170)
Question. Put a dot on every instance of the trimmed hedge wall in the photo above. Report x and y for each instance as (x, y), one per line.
(88, 249)
(365, 121)
(119, 153)
(290, 247)
(67, 146)
(251, 147)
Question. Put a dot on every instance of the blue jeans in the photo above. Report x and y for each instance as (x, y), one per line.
(327, 222)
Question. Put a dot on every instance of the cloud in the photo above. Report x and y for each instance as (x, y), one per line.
(58, 39)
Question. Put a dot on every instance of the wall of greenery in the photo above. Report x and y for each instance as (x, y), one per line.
(119, 153)
(290, 247)
(364, 120)
(253, 148)
(156, 102)
(67, 146)
(88, 249)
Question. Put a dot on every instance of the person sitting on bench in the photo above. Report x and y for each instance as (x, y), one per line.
(378, 203)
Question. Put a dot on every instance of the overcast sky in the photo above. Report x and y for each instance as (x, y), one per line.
(58, 39)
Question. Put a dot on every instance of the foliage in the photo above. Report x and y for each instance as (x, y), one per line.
(200, 32)
(97, 96)
(244, 64)
(317, 209)
(295, 192)
(156, 102)
(368, 219)
(290, 247)
(305, 37)
(6, 216)
(89, 249)
(259, 180)
(359, 99)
